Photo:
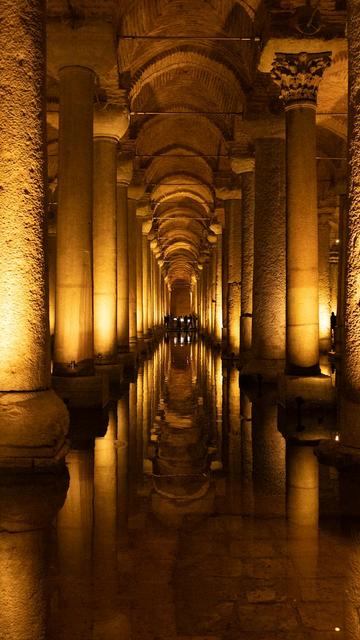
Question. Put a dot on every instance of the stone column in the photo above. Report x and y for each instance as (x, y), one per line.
(146, 294)
(233, 224)
(33, 421)
(132, 272)
(217, 229)
(51, 244)
(299, 76)
(268, 325)
(139, 280)
(245, 166)
(151, 289)
(110, 124)
(124, 176)
(350, 378)
(73, 353)
(324, 282)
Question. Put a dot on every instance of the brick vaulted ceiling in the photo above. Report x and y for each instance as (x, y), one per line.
(196, 73)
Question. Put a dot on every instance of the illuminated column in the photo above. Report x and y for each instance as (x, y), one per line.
(217, 229)
(350, 376)
(73, 353)
(124, 176)
(110, 124)
(32, 425)
(245, 166)
(299, 76)
(146, 225)
(132, 272)
(324, 282)
(233, 223)
(139, 280)
(268, 325)
(150, 289)
(52, 273)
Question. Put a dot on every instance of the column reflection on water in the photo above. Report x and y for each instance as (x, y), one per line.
(108, 620)
(181, 463)
(28, 506)
(123, 458)
(268, 447)
(75, 550)
(302, 504)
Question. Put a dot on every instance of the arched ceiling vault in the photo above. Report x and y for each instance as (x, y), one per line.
(192, 71)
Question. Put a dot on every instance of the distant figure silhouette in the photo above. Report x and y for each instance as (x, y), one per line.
(332, 328)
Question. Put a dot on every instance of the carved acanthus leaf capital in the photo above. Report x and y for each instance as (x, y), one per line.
(298, 75)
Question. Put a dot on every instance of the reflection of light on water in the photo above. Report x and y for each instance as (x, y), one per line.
(337, 629)
(337, 437)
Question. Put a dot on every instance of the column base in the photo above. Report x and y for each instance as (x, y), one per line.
(307, 407)
(33, 429)
(269, 370)
(82, 392)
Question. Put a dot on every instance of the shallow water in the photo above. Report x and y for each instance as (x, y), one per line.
(190, 519)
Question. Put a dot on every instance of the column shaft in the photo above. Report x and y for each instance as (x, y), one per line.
(145, 283)
(73, 353)
(218, 290)
(324, 283)
(233, 222)
(247, 260)
(350, 380)
(139, 280)
(24, 334)
(268, 330)
(122, 268)
(105, 250)
(302, 288)
(132, 270)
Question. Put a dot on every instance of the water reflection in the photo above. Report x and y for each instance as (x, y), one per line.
(181, 461)
(191, 516)
(27, 507)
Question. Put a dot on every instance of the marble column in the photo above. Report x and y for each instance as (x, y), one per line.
(245, 166)
(350, 376)
(132, 272)
(218, 252)
(299, 76)
(268, 324)
(145, 279)
(324, 282)
(33, 421)
(150, 289)
(139, 280)
(73, 352)
(233, 224)
(124, 176)
(110, 124)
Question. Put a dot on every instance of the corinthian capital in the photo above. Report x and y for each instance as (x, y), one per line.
(298, 75)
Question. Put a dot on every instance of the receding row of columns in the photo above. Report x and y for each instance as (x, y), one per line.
(273, 262)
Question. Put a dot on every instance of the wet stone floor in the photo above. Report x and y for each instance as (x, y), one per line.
(190, 518)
